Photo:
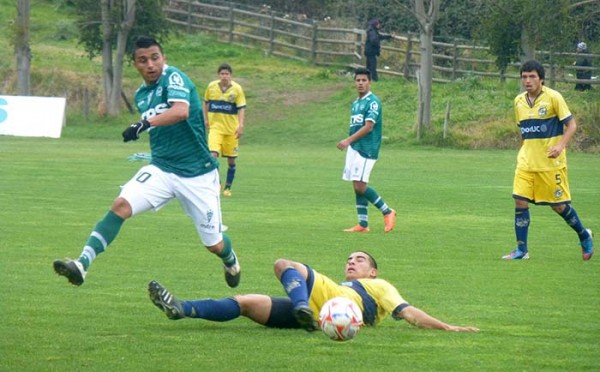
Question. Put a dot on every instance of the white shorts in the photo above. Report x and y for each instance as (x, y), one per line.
(151, 188)
(357, 168)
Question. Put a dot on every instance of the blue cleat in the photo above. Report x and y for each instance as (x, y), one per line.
(517, 254)
(587, 247)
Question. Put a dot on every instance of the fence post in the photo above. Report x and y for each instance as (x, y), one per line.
(407, 57)
(552, 70)
(313, 49)
(454, 60)
(189, 16)
(358, 50)
(86, 103)
(231, 22)
(446, 120)
(272, 35)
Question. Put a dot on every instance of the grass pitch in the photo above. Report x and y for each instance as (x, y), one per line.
(455, 221)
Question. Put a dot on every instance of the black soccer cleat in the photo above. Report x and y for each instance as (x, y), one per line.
(304, 316)
(71, 269)
(165, 301)
(233, 274)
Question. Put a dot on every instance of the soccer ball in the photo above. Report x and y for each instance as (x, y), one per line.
(340, 319)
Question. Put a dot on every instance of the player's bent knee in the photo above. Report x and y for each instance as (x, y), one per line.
(280, 266)
(122, 208)
(213, 242)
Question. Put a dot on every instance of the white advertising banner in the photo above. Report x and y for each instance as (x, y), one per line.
(32, 116)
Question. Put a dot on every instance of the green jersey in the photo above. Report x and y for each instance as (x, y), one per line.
(363, 109)
(178, 148)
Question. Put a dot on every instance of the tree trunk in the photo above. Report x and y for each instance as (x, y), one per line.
(527, 45)
(22, 49)
(107, 71)
(113, 106)
(426, 71)
(426, 19)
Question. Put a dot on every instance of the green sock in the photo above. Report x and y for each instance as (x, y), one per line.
(377, 200)
(362, 209)
(227, 255)
(104, 233)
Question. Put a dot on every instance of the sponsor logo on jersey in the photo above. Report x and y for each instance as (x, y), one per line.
(558, 194)
(357, 119)
(374, 106)
(534, 129)
(156, 110)
(175, 79)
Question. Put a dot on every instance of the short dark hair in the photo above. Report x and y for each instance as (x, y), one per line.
(225, 66)
(371, 258)
(143, 42)
(533, 65)
(362, 71)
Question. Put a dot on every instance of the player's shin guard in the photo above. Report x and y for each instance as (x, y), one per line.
(227, 255)
(215, 310)
(230, 176)
(104, 233)
(522, 227)
(570, 216)
(362, 210)
(294, 285)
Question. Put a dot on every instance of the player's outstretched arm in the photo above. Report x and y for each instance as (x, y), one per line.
(421, 319)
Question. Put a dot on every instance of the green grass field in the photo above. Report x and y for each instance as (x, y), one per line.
(455, 221)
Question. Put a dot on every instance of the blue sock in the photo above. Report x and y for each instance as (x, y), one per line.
(362, 209)
(216, 310)
(522, 227)
(230, 176)
(295, 286)
(572, 219)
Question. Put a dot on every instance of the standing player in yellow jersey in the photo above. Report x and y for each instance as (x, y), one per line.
(308, 290)
(224, 106)
(546, 126)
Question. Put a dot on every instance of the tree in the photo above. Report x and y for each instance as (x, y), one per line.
(515, 30)
(22, 49)
(120, 22)
(426, 13)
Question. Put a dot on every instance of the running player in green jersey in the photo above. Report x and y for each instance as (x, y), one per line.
(181, 167)
(308, 290)
(224, 109)
(546, 126)
(362, 150)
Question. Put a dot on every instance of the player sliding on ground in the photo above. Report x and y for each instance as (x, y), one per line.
(307, 291)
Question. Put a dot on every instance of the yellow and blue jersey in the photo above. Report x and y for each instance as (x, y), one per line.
(376, 298)
(223, 107)
(542, 127)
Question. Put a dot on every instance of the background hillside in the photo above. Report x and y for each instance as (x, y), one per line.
(288, 101)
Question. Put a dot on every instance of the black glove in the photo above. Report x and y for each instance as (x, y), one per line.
(133, 132)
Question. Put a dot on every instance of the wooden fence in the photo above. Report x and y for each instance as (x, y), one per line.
(321, 44)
